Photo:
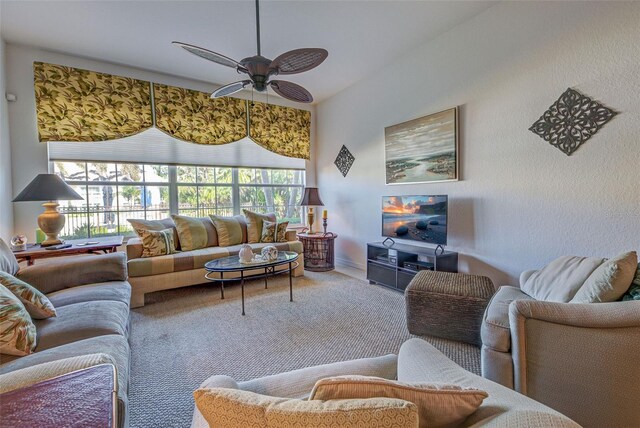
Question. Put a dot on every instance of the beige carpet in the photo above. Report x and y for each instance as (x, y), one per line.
(183, 336)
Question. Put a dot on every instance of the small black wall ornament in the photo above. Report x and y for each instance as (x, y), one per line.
(571, 120)
(344, 160)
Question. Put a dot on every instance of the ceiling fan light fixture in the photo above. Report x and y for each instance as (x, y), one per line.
(261, 69)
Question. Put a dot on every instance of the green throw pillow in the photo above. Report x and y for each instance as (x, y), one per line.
(17, 331)
(195, 233)
(229, 230)
(255, 222)
(36, 303)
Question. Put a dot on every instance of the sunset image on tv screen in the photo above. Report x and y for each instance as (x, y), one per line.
(420, 218)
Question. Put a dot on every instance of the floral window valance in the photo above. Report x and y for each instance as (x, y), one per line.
(283, 130)
(81, 105)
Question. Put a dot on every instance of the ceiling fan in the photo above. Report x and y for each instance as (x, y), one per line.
(260, 69)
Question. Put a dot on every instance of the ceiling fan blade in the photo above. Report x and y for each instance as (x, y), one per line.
(299, 60)
(291, 91)
(209, 55)
(230, 89)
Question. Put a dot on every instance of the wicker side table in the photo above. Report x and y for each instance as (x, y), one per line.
(319, 253)
(447, 305)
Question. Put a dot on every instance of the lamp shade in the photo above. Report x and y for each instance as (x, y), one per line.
(47, 187)
(311, 197)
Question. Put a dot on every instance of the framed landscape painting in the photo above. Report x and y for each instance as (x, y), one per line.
(423, 150)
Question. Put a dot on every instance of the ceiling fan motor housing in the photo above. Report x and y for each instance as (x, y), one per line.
(258, 69)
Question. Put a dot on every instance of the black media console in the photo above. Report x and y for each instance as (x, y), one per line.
(395, 265)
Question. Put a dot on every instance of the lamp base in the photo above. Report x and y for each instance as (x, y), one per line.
(51, 223)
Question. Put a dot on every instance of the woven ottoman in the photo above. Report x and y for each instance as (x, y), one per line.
(447, 305)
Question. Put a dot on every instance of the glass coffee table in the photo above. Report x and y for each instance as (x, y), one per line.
(266, 268)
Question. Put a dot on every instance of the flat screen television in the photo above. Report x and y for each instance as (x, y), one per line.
(419, 218)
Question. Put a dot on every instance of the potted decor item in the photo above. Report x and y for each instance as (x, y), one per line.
(246, 254)
(19, 243)
(269, 253)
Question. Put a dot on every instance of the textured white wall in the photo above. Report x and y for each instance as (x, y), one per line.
(6, 209)
(31, 156)
(520, 202)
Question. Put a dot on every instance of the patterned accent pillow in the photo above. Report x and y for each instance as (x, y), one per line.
(633, 293)
(157, 242)
(234, 408)
(255, 222)
(195, 233)
(229, 230)
(36, 303)
(274, 232)
(438, 404)
(17, 331)
(165, 223)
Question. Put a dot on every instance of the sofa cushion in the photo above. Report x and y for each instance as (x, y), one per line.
(118, 291)
(561, 279)
(34, 301)
(230, 230)
(610, 281)
(232, 408)
(274, 232)
(80, 321)
(495, 332)
(17, 330)
(8, 262)
(438, 404)
(255, 223)
(195, 232)
(196, 259)
(165, 223)
(116, 346)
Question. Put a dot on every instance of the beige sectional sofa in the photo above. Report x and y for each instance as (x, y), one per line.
(149, 274)
(91, 296)
(417, 362)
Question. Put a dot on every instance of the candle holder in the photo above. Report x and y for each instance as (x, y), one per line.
(324, 225)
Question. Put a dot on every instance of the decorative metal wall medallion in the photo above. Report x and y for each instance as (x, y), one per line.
(571, 120)
(344, 160)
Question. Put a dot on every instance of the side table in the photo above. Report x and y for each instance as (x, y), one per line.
(106, 244)
(319, 255)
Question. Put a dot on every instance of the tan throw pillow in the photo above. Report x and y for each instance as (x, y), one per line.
(255, 224)
(233, 408)
(560, 280)
(228, 229)
(439, 405)
(17, 331)
(157, 242)
(195, 232)
(165, 223)
(36, 303)
(274, 232)
(610, 281)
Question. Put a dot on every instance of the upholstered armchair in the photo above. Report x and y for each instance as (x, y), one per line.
(578, 358)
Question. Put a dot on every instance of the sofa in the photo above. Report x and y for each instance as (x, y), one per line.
(578, 358)
(417, 361)
(184, 268)
(91, 296)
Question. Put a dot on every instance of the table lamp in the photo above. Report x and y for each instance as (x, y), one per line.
(51, 188)
(310, 199)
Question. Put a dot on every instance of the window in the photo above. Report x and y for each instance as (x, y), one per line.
(114, 192)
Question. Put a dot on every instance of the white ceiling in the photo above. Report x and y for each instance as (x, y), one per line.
(361, 36)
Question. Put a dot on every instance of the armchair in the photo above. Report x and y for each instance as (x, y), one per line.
(578, 358)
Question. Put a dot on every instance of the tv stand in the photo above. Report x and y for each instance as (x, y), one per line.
(394, 265)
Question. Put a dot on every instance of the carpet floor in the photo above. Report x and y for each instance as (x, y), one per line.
(183, 336)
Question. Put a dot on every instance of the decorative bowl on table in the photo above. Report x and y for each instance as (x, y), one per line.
(269, 253)
(19, 243)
